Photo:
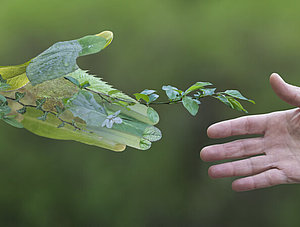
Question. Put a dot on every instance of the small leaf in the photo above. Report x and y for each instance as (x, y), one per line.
(172, 92)
(59, 110)
(147, 92)
(43, 117)
(108, 36)
(113, 92)
(13, 77)
(152, 115)
(139, 96)
(40, 103)
(2, 99)
(197, 86)
(238, 95)
(61, 125)
(12, 121)
(4, 87)
(224, 100)
(91, 44)
(73, 80)
(190, 104)
(208, 91)
(150, 94)
(84, 105)
(152, 134)
(197, 101)
(84, 85)
(4, 110)
(2, 80)
(19, 96)
(22, 110)
(57, 61)
(153, 97)
(237, 105)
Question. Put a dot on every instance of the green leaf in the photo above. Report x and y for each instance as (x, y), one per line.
(172, 92)
(139, 96)
(208, 91)
(49, 129)
(152, 134)
(197, 101)
(73, 80)
(22, 110)
(2, 80)
(113, 92)
(84, 106)
(12, 121)
(13, 76)
(59, 110)
(43, 117)
(147, 92)
(197, 86)
(57, 61)
(84, 85)
(108, 35)
(4, 87)
(145, 144)
(190, 104)
(60, 59)
(4, 110)
(152, 115)
(2, 99)
(61, 125)
(98, 85)
(237, 105)
(40, 103)
(224, 100)
(238, 95)
(91, 44)
(19, 96)
(153, 97)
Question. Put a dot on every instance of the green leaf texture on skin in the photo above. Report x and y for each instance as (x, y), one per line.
(45, 73)
(84, 106)
(49, 129)
(137, 130)
(97, 84)
(57, 61)
(131, 131)
(60, 59)
(137, 111)
(15, 75)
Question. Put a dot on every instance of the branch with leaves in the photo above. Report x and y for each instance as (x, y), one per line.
(52, 97)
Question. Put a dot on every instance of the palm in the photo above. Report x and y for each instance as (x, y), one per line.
(276, 154)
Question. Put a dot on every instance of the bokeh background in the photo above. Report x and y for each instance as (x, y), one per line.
(233, 44)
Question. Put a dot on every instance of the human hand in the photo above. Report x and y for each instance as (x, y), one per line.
(275, 155)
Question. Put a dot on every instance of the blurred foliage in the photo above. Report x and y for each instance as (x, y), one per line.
(233, 44)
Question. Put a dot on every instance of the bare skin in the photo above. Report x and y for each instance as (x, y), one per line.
(273, 158)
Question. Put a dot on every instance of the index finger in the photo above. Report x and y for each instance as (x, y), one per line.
(255, 124)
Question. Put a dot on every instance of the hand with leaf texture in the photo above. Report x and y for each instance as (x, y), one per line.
(273, 158)
(52, 97)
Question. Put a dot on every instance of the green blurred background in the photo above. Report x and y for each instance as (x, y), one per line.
(233, 44)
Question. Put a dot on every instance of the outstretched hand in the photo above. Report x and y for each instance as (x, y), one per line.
(273, 158)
